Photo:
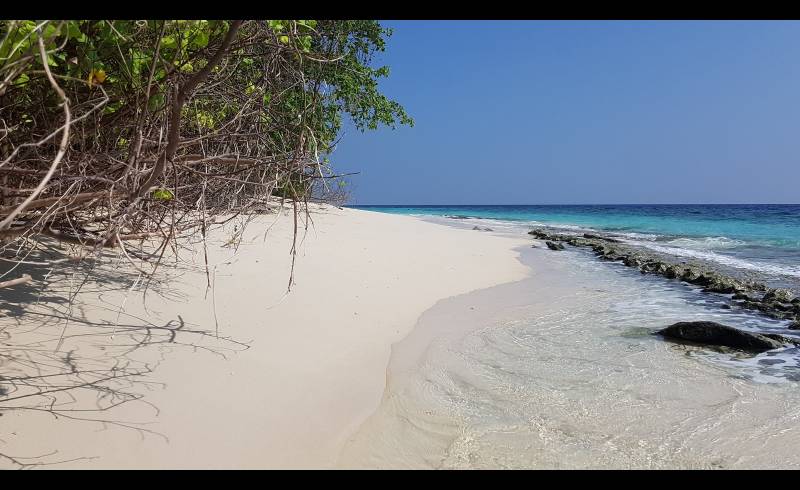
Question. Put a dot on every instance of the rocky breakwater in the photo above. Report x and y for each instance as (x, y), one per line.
(746, 294)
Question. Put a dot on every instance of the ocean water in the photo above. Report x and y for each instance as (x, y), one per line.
(756, 238)
(561, 370)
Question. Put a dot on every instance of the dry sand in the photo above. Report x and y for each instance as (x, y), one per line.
(317, 358)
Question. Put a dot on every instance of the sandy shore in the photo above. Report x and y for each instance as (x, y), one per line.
(316, 364)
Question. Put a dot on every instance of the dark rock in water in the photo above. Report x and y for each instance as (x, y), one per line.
(476, 228)
(689, 274)
(725, 307)
(658, 268)
(632, 261)
(723, 285)
(782, 295)
(704, 279)
(553, 245)
(598, 237)
(488, 229)
(779, 306)
(740, 295)
(574, 241)
(782, 338)
(539, 234)
(767, 309)
(713, 333)
(795, 325)
(751, 305)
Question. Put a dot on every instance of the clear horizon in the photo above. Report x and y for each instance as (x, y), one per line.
(593, 112)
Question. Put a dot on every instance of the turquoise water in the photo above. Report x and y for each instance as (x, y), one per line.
(754, 237)
(560, 371)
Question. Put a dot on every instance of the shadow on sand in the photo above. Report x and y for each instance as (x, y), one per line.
(68, 347)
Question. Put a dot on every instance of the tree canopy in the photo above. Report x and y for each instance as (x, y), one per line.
(112, 132)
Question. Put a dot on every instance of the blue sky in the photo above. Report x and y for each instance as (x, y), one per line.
(553, 112)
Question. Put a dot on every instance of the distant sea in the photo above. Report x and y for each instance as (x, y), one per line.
(760, 238)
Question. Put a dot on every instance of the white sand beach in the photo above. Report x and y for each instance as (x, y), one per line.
(316, 364)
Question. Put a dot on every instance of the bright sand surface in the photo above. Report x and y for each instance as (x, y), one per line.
(316, 364)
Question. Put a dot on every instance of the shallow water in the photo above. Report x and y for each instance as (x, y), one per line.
(561, 371)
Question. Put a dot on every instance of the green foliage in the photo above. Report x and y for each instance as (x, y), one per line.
(295, 81)
(353, 81)
(163, 195)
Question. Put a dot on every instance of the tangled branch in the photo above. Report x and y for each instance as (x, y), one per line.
(170, 128)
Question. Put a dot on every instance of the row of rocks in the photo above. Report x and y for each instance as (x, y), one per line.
(751, 295)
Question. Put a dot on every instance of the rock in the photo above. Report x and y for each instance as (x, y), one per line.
(712, 333)
(689, 274)
(647, 267)
(673, 272)
(539, 234)
(704, 279)
(476, 228)
(774, 305)
(598, 237)
(795, 325)
(767, 309)
(554, 246)
(782, 295)
(488, 229)
(740, 295)
(660, 268)
(782, 338)
(751, 305)
(632, 261)
(723, 285)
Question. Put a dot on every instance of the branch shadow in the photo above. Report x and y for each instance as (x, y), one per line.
(70, 350)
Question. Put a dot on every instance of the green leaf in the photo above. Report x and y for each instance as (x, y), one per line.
(200, 39)
(305, 42)
(163, 195)
(156, 102)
